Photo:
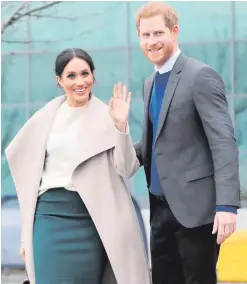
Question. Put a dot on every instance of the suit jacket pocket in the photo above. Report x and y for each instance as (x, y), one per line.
(199, 172)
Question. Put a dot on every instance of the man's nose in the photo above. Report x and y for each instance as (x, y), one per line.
(153, 40)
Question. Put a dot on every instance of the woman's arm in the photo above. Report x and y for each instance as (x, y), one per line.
(124, 155)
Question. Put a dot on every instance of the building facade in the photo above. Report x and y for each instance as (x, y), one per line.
(213, 32)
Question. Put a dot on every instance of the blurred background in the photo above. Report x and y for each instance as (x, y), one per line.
(33, 33)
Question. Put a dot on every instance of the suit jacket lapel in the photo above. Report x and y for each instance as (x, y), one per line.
(148, 87)
(170, 90)
(148, 92)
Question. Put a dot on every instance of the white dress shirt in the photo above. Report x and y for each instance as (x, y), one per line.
(168, 64)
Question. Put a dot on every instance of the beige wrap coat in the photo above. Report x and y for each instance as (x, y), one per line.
(103, 161)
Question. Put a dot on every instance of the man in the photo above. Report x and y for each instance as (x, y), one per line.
(189, 153)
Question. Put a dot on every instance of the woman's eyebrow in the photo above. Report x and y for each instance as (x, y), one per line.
(75, 72)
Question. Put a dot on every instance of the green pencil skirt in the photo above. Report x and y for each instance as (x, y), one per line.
(66, 245)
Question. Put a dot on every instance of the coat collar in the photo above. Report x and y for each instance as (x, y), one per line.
(26, 152)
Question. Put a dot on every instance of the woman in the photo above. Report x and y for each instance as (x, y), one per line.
(68, 163)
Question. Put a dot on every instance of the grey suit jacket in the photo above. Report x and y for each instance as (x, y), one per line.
(195, 148)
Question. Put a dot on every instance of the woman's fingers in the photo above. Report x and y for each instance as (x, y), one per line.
(115, 90)
(111, 102)
(120, 92)
(124, 93)
(129, 97)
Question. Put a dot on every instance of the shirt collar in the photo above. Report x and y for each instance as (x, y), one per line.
(168, 64)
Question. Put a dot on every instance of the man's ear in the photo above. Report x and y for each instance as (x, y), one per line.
(175, 30)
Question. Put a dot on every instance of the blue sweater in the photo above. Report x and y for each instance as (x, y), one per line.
(158, 93)
(159, 88)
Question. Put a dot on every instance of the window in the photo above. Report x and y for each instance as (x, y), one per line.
(242, 172)
(241, 122)
(12, 120)
(43, 84)
(14, 36)
(240, 17)
(14, 79)
(215, 55)
(241, 66)
(96, 25)
(110, 68)
(140, 69)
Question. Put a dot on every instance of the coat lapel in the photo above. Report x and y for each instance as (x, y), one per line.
(100, 132)
(26, 152)
(170, 90)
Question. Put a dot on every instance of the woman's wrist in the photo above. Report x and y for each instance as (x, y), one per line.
(121, 126)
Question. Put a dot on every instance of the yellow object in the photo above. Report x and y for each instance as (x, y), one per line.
(232, 263)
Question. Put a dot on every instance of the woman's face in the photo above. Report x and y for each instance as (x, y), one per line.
(77, 81)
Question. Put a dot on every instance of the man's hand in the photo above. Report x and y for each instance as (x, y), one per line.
(224, 224)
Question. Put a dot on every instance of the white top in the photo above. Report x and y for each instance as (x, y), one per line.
(60, 160)
(169, 63)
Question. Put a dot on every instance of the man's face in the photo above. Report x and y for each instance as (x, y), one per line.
(157, 42)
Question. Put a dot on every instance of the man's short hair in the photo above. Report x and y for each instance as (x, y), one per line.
(157, 8)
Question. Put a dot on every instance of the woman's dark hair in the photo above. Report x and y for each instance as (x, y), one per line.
(65, 56)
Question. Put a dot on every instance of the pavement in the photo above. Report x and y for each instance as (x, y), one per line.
(17, 276)
(12, 276)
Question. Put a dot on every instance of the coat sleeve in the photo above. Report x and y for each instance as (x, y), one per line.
(125, 160)
(211, 104)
